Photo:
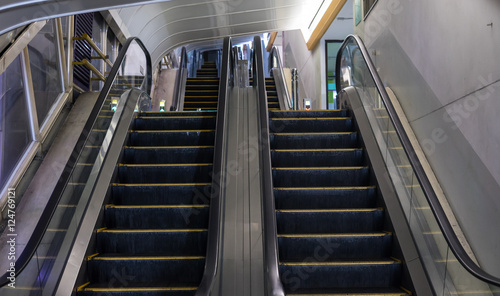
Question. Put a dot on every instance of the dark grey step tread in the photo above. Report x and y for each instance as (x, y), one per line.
(176, 114)
(325, 198)
(371, 291)
(316, 157)
(308, 114)
(320, 176)
(308, 125)
(314, 140)
(132, 289)
(161, 194)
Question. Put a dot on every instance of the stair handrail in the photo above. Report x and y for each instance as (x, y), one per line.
(50, 208)
(214, 222)
(179, 86)
(444, 224)
(273, 282)
(274, 55)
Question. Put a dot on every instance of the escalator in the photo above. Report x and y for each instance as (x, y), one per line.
(332, 234)
(272, 94)
(155, 224)
(202, 91)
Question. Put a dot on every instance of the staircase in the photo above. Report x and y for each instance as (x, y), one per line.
(203, 90)
(153, 236)
(331, 228)
(272, 94)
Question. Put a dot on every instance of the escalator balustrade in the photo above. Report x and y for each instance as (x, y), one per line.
(332, 233)
(153, 237)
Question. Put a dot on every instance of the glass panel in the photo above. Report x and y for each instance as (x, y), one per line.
(446, 275)
(14, 121)
(44, 63)
(9, 37)
(45, 267)
(65, 31)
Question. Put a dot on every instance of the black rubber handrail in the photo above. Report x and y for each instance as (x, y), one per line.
(441, 218)
(178, 86)
(214, 220)
(273, 282)
(56, 195)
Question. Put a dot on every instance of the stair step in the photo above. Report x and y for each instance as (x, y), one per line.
(131, 289)
(175, 114)
(320, 176)
(372, 291)
(171, 242)
(147, 269)
(173, 123)
(151, 155)
(162, 194)
(331, 247)
(329, 221)
(342, 274)
(325, 198)
(310, 125)
(307, 114)
(199, 104)
(313, 140)
(316, 157)
(165, 173)
(157, 217)
(172, 138)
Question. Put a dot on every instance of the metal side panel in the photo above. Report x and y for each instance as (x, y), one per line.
(397, 216)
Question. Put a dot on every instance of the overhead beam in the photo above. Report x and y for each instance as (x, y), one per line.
(325, 23)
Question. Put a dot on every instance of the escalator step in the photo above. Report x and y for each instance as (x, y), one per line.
(171, 123)
(292, 290)
(172, 138)
(130, 290)
(165, 173)
(162, 194)
(175, 114)
(341, 274)
(320, 177)
(157, 217)
(313, 140)
(171, 242)
(325, 198)
(316, 157)
(308, 114)
(151, 155)
(147, 269)
(331, 247)
(310, 125)
(329, 221)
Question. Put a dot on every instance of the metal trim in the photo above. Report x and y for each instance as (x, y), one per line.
(62, 55)
(30, 96)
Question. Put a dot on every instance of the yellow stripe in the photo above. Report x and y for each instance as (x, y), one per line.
(298, 111)
(315, 150)
(175, 117)
(137, 289)
(153, 230)
(92, 256)
(385, 262)
(101, 229)
(173, 131)
(293, 134)
(406, 290)
(313, 118)
(156, 207)
(165, 165)
(335, 235)
(167, 147)
(82, 286)
(353, 294)
(324, 188)
(321, 168)
(330, 210)
(161, 184)
(149, 258)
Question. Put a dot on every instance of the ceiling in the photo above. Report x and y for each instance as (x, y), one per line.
(164, 25)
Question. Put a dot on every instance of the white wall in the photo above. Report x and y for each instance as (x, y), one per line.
(311, 65)
(441, 60)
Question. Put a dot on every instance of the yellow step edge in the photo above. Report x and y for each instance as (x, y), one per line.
(316, 150)
(167, 147)
(320, 133)
(110, 206)
(320, 168)
(175, 117)
(335, 235)
(313, 118)
(137, 289)
(149, 258)
(161, 184)
(92, 256)
(79, 289)
(353, 294)
(152, 230)
(297, 111)
(330, 210)
(382, 262)
(325, 188)
(165, 165)
(172, 131)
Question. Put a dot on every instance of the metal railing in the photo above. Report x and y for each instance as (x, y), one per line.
(180, 83)
(354, 68)
(273, 283)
